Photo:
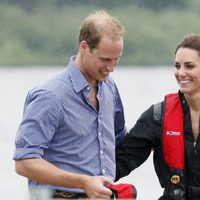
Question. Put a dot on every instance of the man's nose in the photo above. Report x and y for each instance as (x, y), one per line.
(111, 65)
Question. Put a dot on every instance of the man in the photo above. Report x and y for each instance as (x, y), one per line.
(66, 140)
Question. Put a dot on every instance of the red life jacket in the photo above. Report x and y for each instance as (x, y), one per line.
(173, 151)
(173, 146)
(173, 128)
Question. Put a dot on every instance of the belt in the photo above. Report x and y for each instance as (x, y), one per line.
(68, 195)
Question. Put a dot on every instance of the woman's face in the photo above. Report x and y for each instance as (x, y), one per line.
(187, 70)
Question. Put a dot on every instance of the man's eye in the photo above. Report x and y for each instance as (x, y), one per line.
(104, 59)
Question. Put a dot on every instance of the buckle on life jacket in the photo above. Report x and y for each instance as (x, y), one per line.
(175, 179)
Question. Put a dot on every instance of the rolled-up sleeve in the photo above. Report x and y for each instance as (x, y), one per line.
(42, 113)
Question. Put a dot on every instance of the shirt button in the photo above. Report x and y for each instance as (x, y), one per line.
(103, 171)
(88, 88)
(99, 133)
(101, 152)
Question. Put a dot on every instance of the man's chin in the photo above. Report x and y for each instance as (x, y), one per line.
(103, 77)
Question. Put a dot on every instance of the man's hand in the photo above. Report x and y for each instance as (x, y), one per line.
(95, 187)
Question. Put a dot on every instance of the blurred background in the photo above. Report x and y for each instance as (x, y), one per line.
(42, 32)
(37, 39)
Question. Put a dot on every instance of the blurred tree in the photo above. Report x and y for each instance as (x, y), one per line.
(152, 4)
(161, 4)
(26, 5)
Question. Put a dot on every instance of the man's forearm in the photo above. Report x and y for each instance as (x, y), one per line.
(42, 171)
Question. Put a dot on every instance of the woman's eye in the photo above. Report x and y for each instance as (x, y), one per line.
(176, 66)
(189, 66)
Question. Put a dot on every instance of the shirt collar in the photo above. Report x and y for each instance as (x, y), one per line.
(78, 80)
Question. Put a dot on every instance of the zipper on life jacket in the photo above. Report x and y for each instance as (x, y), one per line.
(195, 143)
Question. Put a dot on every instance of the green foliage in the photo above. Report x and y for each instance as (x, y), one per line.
(152, 37)
(161, 4)
(47, 32)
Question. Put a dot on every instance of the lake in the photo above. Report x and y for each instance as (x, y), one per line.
(139, 88)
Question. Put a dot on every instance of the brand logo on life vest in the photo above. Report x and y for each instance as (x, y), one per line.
(172, 133)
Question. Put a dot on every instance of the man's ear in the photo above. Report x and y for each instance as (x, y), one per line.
(83, 46)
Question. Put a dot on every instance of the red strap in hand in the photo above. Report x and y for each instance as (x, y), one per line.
(123, 191)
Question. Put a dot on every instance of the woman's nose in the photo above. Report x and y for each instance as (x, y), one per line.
(181, 71)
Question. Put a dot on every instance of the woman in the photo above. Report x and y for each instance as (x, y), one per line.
(171, 128)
